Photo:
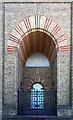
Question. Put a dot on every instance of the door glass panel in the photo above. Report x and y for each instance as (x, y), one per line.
(37, 96)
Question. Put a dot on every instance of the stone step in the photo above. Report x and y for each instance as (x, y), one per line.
(37, 118)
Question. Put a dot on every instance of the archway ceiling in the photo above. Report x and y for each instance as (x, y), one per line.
(37, 42)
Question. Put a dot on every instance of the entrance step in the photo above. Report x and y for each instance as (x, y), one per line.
(37, 118)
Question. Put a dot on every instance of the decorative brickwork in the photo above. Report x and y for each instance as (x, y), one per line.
(18, 40)
(37, 75)
(41, 22)
(37, 80)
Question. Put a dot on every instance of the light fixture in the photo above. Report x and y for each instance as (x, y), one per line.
(47, 76)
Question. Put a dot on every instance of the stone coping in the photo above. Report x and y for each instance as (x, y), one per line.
(61, 1)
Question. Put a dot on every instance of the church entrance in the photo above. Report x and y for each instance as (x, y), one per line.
(39, 36)
(37, 89)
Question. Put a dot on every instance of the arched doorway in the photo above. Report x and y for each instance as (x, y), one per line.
(37, 95)
(42, 35)
(37, 102)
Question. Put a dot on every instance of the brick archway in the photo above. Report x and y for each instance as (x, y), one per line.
(41, 22)
(32, 24)
(46, 26)
(37, 80)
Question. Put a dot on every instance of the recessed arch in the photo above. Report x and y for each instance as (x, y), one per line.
(23, 31)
